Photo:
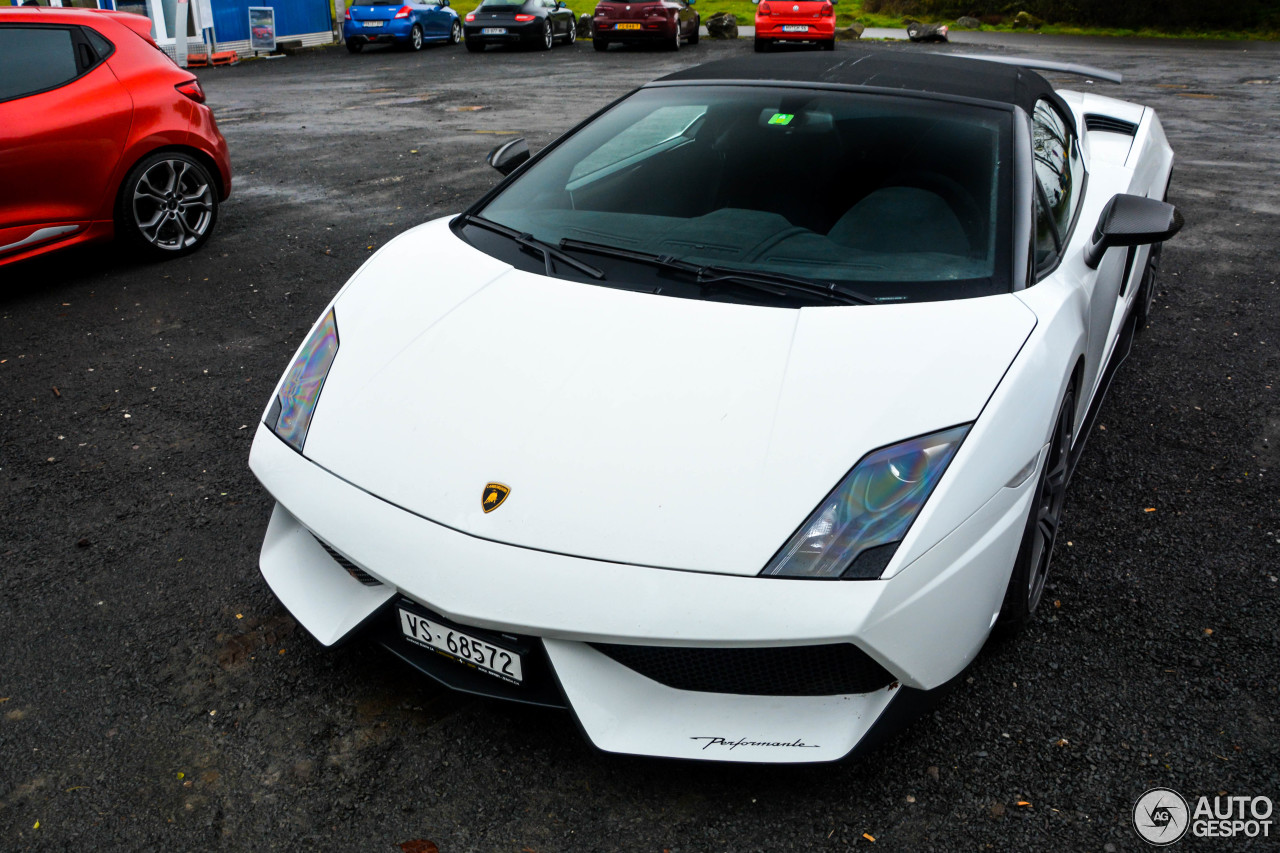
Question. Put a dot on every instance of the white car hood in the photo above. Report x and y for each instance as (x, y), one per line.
(630, 427)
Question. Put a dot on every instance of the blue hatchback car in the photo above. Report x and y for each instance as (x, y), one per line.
(410, 25)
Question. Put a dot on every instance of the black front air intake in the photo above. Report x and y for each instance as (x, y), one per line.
(352, 569)
(826, 670)
(1109, 124)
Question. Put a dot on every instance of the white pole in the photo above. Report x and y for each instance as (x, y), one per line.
(180, 32)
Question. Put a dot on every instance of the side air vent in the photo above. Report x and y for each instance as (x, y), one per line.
(352, 569)
(1109, 124)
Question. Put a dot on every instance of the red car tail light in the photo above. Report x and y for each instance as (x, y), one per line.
(471, 16)
(764, 11)
(525, 18)
(404, 12)
(192, 90)
(826, 9)
(348, 13)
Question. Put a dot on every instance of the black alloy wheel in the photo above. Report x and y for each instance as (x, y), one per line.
(1147, 290)
(1031, 567)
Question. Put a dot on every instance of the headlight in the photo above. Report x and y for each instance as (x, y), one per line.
(854, 532)
(290, 413)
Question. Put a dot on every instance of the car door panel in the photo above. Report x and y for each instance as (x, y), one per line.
(58, 149)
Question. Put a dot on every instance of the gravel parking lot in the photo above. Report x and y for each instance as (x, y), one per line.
(154, 695)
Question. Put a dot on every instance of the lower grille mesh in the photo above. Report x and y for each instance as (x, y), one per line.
(826, 670)
(352, 569)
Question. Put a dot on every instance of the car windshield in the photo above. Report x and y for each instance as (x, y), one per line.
(903, 198)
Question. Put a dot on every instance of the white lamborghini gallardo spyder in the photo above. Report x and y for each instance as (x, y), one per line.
(735, 419)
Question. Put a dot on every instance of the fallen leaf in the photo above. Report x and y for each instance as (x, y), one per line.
(1150, 509)
(419, 845)
(37, 825)
(1208, 632)
(1057, 602)
(910, 799)
(180, 775)
(869, 837)
(239, 615)
(1023, 803)
(1059, 742)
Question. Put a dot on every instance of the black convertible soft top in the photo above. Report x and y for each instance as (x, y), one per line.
(951, 77)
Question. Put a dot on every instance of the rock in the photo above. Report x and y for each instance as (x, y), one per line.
(969, 22)
(919, 32)
(1026, 20)
(722, 25)
(853, 31)
(584, 26)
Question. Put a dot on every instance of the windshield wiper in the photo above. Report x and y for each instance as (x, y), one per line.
(776, 283)
(528, 241)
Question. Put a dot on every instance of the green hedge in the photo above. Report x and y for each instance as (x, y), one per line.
(1161, 14)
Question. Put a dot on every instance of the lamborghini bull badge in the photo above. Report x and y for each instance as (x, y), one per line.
(494, 495)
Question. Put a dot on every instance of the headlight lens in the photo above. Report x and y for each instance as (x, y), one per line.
(290, 414)
(854, 532)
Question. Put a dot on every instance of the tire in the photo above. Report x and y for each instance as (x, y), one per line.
(455, 32)
(1147, 290)
(1031, 567)
(548, 35)
(572, 35)
(415, 38)
(829, 45)
(474, 46)
(762, 45)
(697, 26)
(168, 205)
(674, 44)
(600, 44)
(355, 46)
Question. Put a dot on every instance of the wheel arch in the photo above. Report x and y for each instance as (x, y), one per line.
(191, 151)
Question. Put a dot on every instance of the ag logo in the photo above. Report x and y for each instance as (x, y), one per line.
(494, 495)
(1161, 816)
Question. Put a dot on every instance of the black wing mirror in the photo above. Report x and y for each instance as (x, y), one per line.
(508, 156)
(1131, 220)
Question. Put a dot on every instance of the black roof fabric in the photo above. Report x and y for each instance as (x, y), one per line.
(946, 76)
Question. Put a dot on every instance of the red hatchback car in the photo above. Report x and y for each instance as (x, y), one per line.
(795, 22)
(101, 134)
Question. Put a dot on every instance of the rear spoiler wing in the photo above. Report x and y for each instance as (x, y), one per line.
(1048, 65)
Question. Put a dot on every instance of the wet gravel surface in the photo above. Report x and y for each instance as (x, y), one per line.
(153, 694)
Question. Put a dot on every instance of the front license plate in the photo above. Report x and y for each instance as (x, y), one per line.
(462, 647)
(494, 31)
(372, 25)
(628, 26)
(795, 29)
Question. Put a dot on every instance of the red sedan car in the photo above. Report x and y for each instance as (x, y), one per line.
(795, 22)
(101, 134)
(662, 22)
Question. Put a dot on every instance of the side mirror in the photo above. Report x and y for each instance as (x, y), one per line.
(693, 2)
(508, 156)
(444, 2)
(1131, 220)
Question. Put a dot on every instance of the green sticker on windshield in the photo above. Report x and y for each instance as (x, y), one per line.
(781, 118)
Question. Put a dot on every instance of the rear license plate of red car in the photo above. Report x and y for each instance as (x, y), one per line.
(372, 24)
(628, 26)
(462, 647)
(795, 29)
(494, 31)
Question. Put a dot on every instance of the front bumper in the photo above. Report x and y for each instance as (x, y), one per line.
(923, 626)
(391, 31)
